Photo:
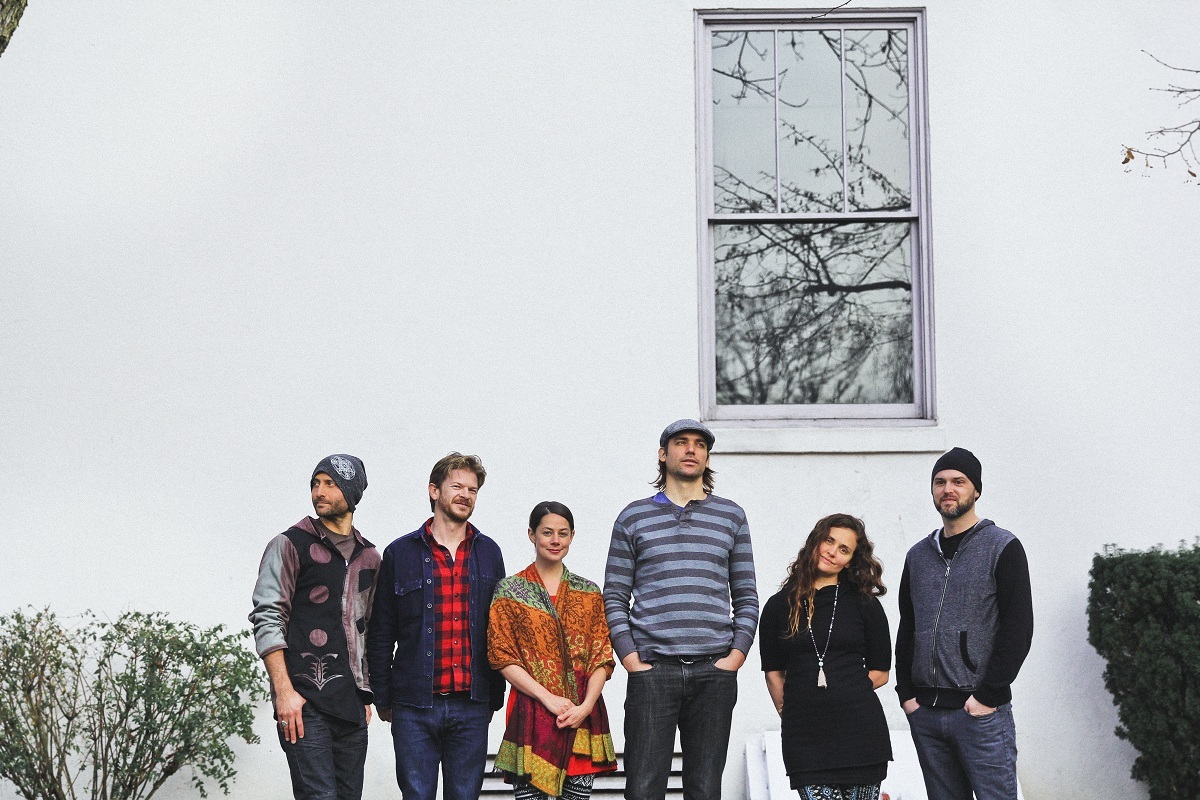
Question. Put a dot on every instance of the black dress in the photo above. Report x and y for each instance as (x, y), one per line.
(838, 734)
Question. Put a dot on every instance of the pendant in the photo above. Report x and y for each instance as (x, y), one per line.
(821, 684)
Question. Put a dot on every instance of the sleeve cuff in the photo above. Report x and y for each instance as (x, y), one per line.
(991, 696)
(623, 645)
(266, 649)
(742, 641)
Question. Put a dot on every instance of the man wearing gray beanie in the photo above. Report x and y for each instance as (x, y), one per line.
(312, 603)
(966, 624)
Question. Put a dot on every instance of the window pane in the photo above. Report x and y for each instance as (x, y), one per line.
(877, 119)
(744, 121)
(810, 120)
(814, 313)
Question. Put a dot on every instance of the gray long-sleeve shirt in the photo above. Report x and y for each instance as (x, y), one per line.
(690, 575)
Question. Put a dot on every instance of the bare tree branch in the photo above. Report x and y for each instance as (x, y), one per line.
(1179, 140)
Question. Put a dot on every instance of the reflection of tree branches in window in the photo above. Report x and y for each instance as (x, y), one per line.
(764, 87)
(818, 312)
(876, 70)
(737, 196)
(814, 313)
(1180, 138)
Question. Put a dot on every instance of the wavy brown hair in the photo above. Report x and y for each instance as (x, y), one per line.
(864, 573)
(450, 462)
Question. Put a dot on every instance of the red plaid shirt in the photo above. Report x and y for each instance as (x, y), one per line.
(451, 614)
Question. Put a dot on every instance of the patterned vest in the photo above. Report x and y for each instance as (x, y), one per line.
(317, 652)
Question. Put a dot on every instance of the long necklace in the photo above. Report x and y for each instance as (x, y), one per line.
(821, 683)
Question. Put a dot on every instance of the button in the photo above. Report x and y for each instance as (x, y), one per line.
(429, 580)
(429, 630)
(426, 559)
(429, 606)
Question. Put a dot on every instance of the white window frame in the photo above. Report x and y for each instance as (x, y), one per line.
(922, 410)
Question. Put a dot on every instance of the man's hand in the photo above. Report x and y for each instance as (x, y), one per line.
(289, 707)
(367, 708)
(732, 662)
(633, 663)
(384, 714)
(574, 716)
(910, 705)
(976, 708)
(288, 702)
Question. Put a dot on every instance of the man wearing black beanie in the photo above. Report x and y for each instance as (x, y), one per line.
(966, 624)
(312, 603)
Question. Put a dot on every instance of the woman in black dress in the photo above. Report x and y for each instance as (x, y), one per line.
(825, 649)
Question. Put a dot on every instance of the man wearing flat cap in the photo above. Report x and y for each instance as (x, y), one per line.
(966, 624)
(682, 608)
(312, 603)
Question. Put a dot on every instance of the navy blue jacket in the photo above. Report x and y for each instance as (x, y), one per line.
(400, 654)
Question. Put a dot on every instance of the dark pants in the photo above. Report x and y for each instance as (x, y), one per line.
(697, 698)
(452, 734)
(961, 754)
(327, 763)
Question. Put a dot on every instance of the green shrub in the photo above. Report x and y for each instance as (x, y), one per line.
(113, 709)
(1144, 619)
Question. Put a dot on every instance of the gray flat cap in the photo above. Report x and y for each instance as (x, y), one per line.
(690, 425)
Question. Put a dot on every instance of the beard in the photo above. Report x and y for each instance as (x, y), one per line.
(333, 511)
(958, 509)
(455, 512)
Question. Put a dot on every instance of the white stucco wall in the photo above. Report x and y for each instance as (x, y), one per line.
(237, 237)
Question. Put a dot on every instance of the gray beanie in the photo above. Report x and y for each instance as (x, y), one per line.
(348, 473)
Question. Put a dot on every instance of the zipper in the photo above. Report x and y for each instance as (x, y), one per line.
(350, 648)
(936, 621)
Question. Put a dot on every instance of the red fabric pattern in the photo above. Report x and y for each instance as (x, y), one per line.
(451, 614)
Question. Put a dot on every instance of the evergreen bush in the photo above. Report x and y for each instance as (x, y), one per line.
(1144, 620)
(112, 710)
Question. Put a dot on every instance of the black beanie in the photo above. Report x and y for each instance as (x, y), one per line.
(965, 462)
(348, 473)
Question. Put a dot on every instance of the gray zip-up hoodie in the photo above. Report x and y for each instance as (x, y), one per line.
(955, 611)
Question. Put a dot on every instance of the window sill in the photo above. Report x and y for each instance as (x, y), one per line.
(771, 438)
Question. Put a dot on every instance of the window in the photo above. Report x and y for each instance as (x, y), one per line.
(814, 220)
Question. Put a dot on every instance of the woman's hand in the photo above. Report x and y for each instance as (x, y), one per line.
(574, 716)
(775, 680)
(557, 705)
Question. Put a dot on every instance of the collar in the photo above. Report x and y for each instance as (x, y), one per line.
(427, 534)
(662, 499)
(314, 526)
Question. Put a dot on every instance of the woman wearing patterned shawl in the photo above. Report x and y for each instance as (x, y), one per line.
(548, 637)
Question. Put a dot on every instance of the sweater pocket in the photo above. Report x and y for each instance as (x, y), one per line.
(965, 652)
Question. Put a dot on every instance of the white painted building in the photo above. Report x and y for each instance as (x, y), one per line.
(237, 237)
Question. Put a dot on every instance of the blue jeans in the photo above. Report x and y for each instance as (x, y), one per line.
(327, 763)
(452, 734)
(697, 698)
(960, 753)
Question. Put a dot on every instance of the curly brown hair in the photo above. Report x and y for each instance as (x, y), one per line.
(864, 573)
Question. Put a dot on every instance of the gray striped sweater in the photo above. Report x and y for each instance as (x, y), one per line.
(690, 575)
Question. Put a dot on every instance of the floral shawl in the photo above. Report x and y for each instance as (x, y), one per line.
(560, 645)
